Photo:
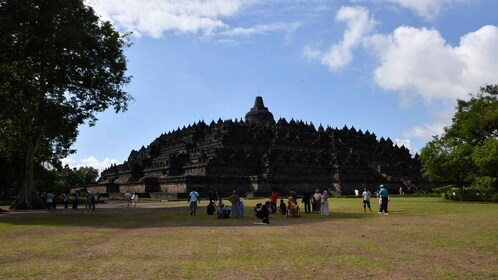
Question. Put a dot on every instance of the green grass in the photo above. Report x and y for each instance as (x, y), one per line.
(422, 238)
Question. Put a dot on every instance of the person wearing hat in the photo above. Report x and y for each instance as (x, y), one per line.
(384, 196)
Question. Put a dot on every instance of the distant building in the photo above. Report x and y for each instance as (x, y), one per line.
(259, 155)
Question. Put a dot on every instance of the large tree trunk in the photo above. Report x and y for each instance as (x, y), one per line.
(28, 197)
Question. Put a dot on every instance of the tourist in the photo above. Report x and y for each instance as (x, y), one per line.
(65, 198)
(127, 197)
(307, 201)
(135, 199)
(262, 212)
(193, 200)
(292, 208)
(220, 200)
(92, 202)
(212, 196)
(274, 198)
(76, 197)
(366, 200)
(283, 207)
(325, 204)
(54, 203)
(211, 208)
(235, 200)
(241, 207)
(318, 201)
(50, 201)
(88, 203)
(384, 199)
(223, 212)
(293, 194)
(268, 205)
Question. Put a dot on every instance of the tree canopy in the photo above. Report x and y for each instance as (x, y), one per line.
(467, 152)
(60, 65)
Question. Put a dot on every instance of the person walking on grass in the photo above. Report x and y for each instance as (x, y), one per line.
(384, 199)
(50, 201)
(324, 211)
(135, 199)
(194, 199)
(317, 197)
(65, 198)
(366, 200)
(76, 197)
(307, 201)
(127, 197)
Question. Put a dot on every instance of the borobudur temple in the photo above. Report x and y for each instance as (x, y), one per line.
(258, 155)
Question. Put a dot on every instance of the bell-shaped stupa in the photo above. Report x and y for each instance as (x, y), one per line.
(259, 114)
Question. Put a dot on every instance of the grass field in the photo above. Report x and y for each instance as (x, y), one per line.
(422, 238)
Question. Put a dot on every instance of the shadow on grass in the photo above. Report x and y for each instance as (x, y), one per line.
(115, 216)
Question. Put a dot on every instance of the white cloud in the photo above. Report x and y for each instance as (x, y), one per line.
(359, 24)
(426, 131)
(154, 17)
(418, 61)
(427, 9)
(311, 53)
(262, 29)
(90, 162)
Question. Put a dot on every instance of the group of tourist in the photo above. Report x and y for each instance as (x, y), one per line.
(316, 203)
(130, 198)
(383, 200)
(50, 199)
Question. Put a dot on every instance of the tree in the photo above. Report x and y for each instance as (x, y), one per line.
(59, 66)
(467, 152)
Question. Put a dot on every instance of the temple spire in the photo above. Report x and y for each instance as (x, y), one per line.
(259, 114)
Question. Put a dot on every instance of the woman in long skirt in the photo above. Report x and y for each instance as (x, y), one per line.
(325, 204)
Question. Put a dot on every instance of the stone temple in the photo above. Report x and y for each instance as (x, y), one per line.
(259, 155)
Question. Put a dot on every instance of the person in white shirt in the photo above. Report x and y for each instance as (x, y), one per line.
(127, 196)
(366, 199)
(135, 199)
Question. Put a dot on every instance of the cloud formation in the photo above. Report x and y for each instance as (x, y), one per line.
(154, 17)
(358, 25)
(418, 61)
(427, 9)
(426, 131)
(90, 162)
(262, 29)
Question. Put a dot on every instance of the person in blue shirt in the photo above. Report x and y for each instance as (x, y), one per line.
(223, 212)
(194, 198)
(384, 197)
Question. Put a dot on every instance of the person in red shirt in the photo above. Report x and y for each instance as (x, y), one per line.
(274, 198)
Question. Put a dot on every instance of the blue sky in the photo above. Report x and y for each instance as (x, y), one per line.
(393, 67)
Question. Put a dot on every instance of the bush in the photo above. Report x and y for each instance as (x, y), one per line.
(486, 186)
